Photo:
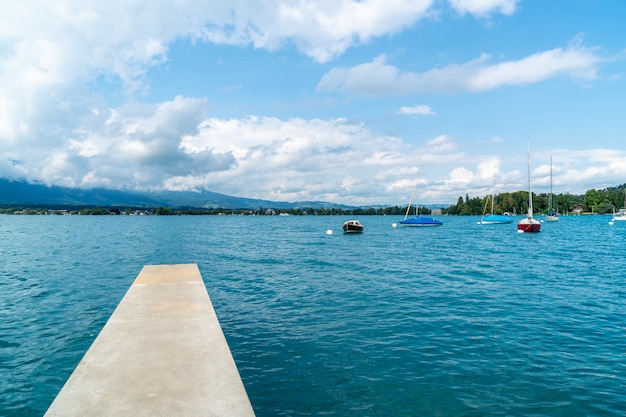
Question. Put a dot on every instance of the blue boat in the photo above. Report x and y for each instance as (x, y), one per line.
(418, 220)
(496, 219)
(493, 218)
(421, 221)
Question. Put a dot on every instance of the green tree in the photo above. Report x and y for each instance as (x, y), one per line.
(163, 211)
(593, 201)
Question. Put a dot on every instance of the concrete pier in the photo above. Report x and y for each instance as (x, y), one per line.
(162, 353)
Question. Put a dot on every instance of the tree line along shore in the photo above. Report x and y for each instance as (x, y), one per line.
(594, 201)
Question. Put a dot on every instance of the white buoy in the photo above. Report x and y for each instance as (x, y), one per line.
(394, 225)
(329, 232)
(611, 223)
(520, 231)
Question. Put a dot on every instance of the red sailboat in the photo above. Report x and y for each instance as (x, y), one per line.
(529, 224)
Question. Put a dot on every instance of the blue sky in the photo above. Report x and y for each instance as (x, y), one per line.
(332, 100)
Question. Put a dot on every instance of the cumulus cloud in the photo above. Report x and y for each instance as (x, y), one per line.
(580, 168)
(322, 29)
(461, 174)
(297, 159)
(56, 59)
(378, 78)
(58, 48)
(135, 146)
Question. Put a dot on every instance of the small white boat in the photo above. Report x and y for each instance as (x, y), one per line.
(552, 216)
(352, 226)
(621, 215)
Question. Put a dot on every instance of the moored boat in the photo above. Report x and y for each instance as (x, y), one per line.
(493, 218)
(417, 220)
(621, 215)
(352, 226)
(552, 216)
(420, 221)
(529, 224)
(496, 219)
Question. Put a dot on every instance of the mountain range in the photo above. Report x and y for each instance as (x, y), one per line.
(18, 192)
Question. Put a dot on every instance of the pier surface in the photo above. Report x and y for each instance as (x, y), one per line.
(162, 353)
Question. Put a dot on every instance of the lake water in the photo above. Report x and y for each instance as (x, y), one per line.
(457, 320)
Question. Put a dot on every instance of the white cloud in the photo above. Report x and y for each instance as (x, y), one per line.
(298, 159)
(578, 171)
(484, 7)
(56, 59)
(440, 144)
(335, 160)
(322, 29)
(371, 79)
(172, 146)
(377, 78)
(135, 146)
(422, 110)
(461, 175)
(57, 49)
(495, 139)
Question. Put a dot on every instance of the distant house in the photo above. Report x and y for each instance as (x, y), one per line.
(577, 209)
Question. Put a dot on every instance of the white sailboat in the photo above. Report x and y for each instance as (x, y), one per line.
(552, 216)
(621, 215)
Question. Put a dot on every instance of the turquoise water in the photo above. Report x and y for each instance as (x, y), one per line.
(458, 320)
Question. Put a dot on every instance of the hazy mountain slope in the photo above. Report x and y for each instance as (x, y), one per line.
(24, 193)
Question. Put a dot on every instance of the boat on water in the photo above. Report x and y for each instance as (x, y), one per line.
(352, 226)
(417, 220)
(621, 215)
(421, 221)
(552, 216)
(493, 218)
(496, 219)
(529, 223)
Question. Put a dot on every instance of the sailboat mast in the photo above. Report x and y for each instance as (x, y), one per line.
(530, 194)
(408, 209)
(550, 197)
(493, 184)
